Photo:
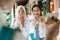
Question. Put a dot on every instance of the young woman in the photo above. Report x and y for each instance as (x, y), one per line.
(37, 25)
(21, 21)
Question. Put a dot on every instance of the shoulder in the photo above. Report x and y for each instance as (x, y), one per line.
(42, 19)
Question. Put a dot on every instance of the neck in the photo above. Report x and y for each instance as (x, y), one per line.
(37, 17)
(22, 21)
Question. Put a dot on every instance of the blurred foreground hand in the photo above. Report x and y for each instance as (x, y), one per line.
(6, 4)
(52, 28)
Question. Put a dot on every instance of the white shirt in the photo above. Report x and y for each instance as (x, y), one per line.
(41, 30)
(24, 29)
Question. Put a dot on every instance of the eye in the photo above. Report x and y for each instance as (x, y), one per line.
(34, 10)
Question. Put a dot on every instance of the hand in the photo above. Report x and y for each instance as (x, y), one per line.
(7, 4)
(16, 24)
(52, 28)
(35, 23)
